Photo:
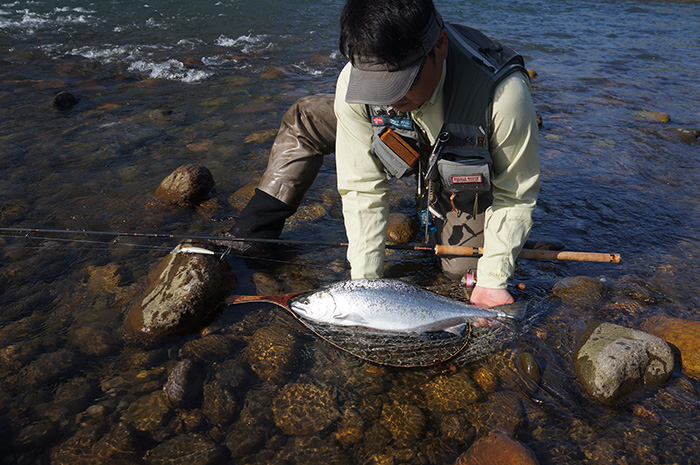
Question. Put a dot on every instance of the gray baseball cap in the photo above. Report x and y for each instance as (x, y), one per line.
(377, 83)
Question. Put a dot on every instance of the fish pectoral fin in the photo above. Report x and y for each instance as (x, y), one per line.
(457, 330)
(356, 318)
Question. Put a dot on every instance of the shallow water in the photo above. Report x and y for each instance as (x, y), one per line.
(614, 179)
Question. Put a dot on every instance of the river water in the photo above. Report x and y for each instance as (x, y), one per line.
(168, 82)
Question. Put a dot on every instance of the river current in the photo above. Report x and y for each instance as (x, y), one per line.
(168, 82)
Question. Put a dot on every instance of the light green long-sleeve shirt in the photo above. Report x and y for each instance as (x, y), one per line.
(514, 147)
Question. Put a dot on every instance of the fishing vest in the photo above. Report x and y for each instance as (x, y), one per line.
(460, 161)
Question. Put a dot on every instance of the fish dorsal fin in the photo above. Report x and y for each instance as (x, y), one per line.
(279, 300)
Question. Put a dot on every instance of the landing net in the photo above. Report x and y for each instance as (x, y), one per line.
(412, 349)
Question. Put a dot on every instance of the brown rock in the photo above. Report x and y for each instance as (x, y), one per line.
(684, 335)
(497, 449)
(580, 291)
(241, 197)
(192, 63)
(401, 229)
(186, 186)
(654, 116)
(185, 293)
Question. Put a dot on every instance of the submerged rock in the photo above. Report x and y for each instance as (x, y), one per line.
(405, 422)
(187, 449)
(65, 100)
(271, 353)
(88, 446)
(219, 404)
(184, 384)
(654, 116)
(186, 186)
(684, 335)
(304, 408)
(148, 412)
(497, 449)
(580, 291)
(612, 361)
(185, 294)
(451, 393)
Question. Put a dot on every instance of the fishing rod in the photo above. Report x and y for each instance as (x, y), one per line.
(530, 254)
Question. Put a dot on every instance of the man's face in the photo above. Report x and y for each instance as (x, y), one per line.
(428, 78)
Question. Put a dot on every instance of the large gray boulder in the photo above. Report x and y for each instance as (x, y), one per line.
(612, 361)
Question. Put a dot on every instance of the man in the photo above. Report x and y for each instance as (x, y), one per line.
(421, 97)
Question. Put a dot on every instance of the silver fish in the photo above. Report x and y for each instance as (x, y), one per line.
(387, 305)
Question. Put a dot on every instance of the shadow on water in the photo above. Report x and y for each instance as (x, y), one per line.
(172, 86)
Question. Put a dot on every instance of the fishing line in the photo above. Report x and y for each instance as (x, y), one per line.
(105, 245)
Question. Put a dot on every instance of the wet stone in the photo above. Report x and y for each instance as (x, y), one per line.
(405, 422)
(148, 412)
(313, 450)
(186, 186)
(242, 196)
(48, 366)
(184, 385)
(497, 449)
(185, 293)
(451, 393)
(210, 348)
(65, 101)
(612, 361)
(76, 394)
(37, 435)
(350, 428)
(456, 427)
(580, 291)
(187, 449)
(93, 340)
(219, 404)
(304, 408)
(271, 353)
(401, 228)
(118, 446)
(242, 439)
(501, 411)
(660, 116)
(684, 335)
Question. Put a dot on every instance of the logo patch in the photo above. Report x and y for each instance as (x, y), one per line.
(466, 179)
(378, 121)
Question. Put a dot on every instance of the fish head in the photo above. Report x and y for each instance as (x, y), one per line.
(319, 306)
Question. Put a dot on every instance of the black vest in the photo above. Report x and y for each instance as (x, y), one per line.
(475, 65)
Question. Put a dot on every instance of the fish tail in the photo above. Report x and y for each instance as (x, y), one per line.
(280, 300)
(515, 311)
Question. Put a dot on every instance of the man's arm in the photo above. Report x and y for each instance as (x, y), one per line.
(515, 153)
(363, 187)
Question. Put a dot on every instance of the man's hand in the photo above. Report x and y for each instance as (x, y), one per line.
(487, 298)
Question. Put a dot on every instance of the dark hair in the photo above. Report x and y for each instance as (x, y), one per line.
(388, 30)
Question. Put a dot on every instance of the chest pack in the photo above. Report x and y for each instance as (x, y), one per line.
(459, 161)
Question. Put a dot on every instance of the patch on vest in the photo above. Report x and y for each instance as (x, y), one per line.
(467, 179)
(399, 123)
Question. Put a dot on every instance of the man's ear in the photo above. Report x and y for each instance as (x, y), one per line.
(441, 46)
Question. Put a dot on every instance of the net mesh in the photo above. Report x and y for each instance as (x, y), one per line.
(413, 349)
